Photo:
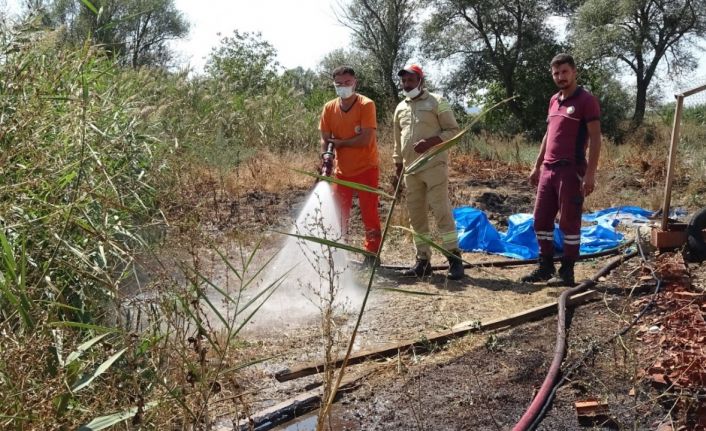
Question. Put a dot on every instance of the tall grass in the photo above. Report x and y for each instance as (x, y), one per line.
(76, 175)
(486, 146)
(91, 159)
(77, 180)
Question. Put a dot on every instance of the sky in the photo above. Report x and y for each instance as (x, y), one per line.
(302, 31)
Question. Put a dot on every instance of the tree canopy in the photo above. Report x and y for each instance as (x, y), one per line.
(641, 35)
(500, 49)
(245, 61)
(136, 32)
(489, 50)
(384, 30)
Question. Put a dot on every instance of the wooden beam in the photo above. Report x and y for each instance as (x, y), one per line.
(292, 408)
(671, 161)
(688, 93)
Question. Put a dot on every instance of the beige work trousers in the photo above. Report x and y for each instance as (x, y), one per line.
(430, 189)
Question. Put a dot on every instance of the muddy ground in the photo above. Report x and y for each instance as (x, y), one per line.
(486, 381)
(479, 382)
(489, 386)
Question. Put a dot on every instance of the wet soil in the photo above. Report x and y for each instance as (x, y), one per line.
(491, 386)
(479, 382)
(486, 382)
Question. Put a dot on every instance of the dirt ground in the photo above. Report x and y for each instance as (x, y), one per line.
(478, 382)
(486, 381)
(489, 385)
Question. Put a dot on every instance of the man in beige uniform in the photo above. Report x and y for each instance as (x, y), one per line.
(421, 121)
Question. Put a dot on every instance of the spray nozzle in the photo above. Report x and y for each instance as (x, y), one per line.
(327, 160)
(329, 152)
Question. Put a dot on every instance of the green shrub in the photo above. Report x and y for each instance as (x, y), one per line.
(79, 176)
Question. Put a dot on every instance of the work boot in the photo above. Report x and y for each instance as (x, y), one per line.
(455, 266)
(543, 272)
(565, 275)
(421, 268)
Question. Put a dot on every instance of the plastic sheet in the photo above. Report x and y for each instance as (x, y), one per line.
(615, 215)
(476, 233)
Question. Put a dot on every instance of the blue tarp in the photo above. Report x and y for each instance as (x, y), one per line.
(476, 233)
(608, 216)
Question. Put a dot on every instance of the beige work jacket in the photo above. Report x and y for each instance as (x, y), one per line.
(424, 117)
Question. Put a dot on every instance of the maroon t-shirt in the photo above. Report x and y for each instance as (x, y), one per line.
(567, 133)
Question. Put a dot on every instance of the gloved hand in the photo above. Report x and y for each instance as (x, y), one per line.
(424, 144)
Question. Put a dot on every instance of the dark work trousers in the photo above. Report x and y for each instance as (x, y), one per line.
(559, 190)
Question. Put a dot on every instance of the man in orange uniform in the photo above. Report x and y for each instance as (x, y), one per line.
(348, 122)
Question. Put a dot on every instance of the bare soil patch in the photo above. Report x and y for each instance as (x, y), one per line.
(486, 382)
(478, 382)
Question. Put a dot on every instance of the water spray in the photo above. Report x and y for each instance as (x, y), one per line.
(310, 266)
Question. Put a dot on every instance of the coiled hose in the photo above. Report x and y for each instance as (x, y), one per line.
(541, 402)
(544, 392)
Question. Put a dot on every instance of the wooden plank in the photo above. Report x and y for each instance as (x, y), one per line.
(535, 313)
(294, 407)
(459, 330)
(670, 163)
(693, 91)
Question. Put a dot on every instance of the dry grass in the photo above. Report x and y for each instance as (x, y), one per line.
(629, 174)
(271, 172)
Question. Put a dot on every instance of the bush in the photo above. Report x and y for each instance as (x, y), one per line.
(79, 169)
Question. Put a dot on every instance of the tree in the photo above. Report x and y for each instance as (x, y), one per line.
(245, 62)
(383, 29)
(497, 45)
(312, 88)
(149, 24)
(136, 32)
(600, 79)
(640, 34)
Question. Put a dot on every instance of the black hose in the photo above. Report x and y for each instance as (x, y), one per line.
(519, 262)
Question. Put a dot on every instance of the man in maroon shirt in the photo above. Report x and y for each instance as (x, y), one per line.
(562, 172)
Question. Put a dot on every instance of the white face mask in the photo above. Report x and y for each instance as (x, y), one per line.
(412, 93)
(344, 92)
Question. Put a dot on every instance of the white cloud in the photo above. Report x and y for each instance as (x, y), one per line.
(301, 31)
